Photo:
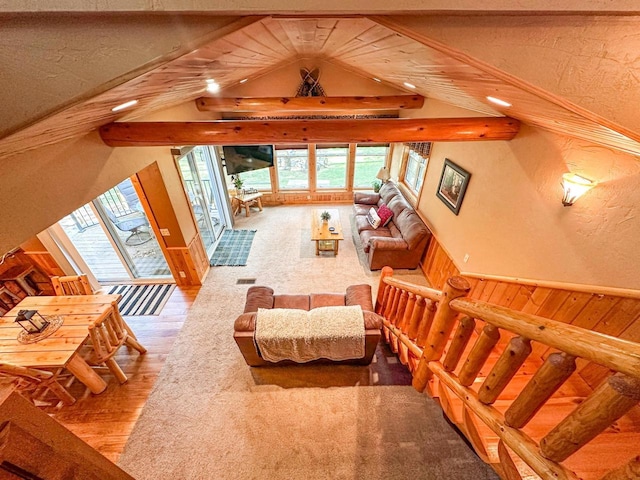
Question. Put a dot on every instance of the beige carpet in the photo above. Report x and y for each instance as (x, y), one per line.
(210, 416)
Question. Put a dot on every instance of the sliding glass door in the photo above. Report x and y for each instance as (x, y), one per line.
(113, 236)
(202, 182)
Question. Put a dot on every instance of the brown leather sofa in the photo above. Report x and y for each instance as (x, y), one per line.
(263, 297)
(399, 244)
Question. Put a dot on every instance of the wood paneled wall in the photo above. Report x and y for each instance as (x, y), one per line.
(290, 198)
(43, 263)
(188, 264)
(613, 315)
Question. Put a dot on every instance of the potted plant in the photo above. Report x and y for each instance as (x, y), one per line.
(237, 182)
(377, 184)
(325, 216)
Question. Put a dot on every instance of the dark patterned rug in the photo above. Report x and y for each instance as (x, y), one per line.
(233, 248)
(143, 299)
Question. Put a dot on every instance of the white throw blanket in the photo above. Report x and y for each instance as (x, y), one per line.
(335, 333)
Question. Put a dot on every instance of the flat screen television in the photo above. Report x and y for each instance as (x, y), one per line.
(243, 158)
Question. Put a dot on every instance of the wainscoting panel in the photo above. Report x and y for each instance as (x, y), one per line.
(615, 315)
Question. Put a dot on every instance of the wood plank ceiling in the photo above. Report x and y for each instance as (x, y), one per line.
(373, 47)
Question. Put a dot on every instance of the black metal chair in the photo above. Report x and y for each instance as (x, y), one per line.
(135, 222)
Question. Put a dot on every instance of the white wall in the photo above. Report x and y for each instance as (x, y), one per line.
(42, 186)
(512, 221)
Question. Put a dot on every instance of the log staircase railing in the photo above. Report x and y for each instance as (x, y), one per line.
(419, 326)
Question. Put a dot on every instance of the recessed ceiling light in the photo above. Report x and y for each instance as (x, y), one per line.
(497, 101)
(377, 79)
(128, 104)
(244, 80)
(212, 86)
(410, 85)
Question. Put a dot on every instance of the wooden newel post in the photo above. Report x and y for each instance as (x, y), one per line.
(440, 331)
(610, 401)
(556, 369)
(386, 272)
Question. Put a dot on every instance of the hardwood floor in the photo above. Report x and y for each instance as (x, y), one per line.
(105, 421)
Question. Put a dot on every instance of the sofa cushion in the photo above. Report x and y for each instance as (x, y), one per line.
(366, 235)
(398, 205)
(300, 302)
(362, 223)
(388, 191)
(359, 295)
(326, 300)
(258, 297)
(411, 227)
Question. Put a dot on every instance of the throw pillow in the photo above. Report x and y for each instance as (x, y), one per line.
(385, 214)
(373, 218)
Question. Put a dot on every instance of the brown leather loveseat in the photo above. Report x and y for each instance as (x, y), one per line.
(263, 297)
(399, 244)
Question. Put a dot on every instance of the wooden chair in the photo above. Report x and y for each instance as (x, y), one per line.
(33, 383)
(71, 285)
(107, 335)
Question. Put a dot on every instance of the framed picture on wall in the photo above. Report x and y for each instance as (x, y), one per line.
(453, 185)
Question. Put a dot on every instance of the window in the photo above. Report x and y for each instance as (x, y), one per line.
(369, 160)
(416, 165)
(331, 166)
(293, 167)
(258, 179)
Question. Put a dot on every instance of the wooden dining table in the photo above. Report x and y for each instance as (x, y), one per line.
(60, 349)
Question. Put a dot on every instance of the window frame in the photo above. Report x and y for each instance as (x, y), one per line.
(410, 152)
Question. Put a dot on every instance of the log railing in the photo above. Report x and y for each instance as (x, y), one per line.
(432, 332)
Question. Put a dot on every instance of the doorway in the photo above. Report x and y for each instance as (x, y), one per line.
(202, 179)
(112, 236)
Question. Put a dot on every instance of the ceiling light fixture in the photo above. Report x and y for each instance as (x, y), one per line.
(497, 101)
(410, 85)
(574, 186)
(377, 80)
(128, 104)
(212, 86)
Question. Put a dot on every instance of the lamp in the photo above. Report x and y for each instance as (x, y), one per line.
(383, 174)
(31, 321)
(574, 186)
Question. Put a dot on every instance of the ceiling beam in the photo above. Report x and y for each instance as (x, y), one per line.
(129, 134)
(308, 104)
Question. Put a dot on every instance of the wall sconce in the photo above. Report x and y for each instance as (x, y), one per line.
(383, 174)
(574, 186)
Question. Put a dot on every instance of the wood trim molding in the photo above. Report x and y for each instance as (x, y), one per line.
(573, 287)
(131, 134)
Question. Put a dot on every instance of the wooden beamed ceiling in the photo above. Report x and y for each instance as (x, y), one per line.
(308, 104)
(128, 134)
(372, 47)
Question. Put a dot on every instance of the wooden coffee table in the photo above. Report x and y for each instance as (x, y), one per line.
(326, 240)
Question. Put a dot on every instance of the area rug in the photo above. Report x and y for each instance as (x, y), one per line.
(233, 248)
(211, 416)
(143, 299)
